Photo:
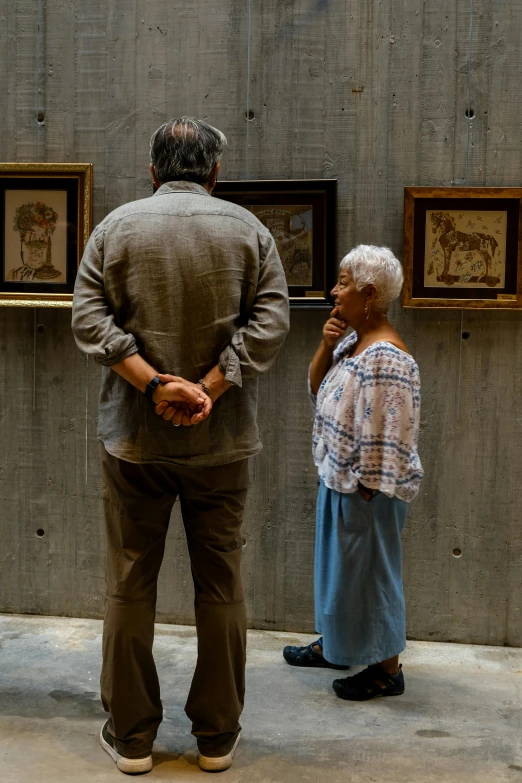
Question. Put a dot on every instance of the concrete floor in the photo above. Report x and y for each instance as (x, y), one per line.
(459, 720)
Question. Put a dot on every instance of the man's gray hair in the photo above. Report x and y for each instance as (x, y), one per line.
(370, 265)
(186, 149)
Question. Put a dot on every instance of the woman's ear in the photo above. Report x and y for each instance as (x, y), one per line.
(371, 294)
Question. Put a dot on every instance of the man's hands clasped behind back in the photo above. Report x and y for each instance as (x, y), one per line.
(181, 401)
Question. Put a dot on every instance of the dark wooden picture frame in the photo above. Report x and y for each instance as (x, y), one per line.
(302, 217)
(45, 222)
(462, 247)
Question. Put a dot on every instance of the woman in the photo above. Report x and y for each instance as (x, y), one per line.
(367, 397)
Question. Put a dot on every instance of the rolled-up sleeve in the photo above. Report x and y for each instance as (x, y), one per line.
(255, 346)
(93, 325)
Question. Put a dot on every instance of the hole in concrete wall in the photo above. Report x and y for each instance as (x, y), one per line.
(40, 532)
(457, 552)
(466, 335)
(40, 117)
(40, 328)
(250, 115)
(470, 113)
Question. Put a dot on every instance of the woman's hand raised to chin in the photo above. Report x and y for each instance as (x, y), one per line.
(334, 329)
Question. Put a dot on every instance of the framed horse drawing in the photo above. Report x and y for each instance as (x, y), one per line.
(462, 247)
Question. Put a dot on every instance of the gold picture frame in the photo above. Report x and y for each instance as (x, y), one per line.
(45, 222)
(462, 248)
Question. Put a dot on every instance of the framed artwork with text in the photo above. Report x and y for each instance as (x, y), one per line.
(462, 247)
(45, 222)
(301, 215)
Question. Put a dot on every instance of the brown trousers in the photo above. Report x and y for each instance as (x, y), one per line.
(138, 500)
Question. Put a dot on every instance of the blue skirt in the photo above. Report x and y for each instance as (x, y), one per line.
(359, 600)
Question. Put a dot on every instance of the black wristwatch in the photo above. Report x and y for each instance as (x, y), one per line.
(151, 388)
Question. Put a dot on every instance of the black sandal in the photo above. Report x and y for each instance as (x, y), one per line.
(307, 656)
(369, 684)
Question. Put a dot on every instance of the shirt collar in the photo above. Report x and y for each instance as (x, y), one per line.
(181, 186)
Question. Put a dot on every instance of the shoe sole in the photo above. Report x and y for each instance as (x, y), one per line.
(218, 763)
(129, 766)
(316, 665)
(369, 696)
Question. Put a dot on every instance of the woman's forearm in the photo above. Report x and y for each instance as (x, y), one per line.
(320, 365)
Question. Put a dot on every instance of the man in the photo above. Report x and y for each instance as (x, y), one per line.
(183, 299)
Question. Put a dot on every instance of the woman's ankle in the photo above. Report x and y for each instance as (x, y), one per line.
(390, 666)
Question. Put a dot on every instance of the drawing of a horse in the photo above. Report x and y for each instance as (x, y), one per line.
(453, 241)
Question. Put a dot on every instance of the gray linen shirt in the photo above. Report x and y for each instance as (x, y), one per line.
(188, 281)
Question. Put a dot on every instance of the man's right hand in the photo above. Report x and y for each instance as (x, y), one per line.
(333, 329)
(181, 402)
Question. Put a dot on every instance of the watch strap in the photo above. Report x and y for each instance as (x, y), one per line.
(151, 388)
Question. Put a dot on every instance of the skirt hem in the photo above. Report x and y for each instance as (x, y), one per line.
(360, 660)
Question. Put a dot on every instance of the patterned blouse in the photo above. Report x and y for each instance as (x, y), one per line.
(367, 421)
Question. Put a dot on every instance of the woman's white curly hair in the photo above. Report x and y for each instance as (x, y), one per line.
(371, 265)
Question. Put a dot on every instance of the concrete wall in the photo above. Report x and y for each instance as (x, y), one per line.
(373, 93)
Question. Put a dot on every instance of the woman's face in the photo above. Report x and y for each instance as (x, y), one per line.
(350, 303)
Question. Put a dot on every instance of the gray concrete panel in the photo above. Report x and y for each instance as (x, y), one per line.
(375, 94)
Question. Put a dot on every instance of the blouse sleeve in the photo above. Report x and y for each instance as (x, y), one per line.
(388, 410)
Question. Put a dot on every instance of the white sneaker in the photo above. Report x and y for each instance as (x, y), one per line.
(129, 766)
(218, 763)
